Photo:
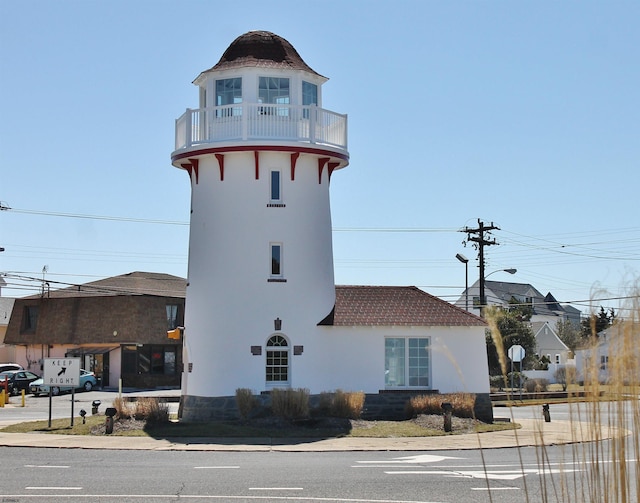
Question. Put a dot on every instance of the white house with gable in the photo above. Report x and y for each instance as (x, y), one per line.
(262, 308)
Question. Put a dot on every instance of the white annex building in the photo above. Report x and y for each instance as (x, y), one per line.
(262, 309)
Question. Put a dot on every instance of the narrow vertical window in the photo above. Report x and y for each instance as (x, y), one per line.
(30, 319)
(276, 187)
(172, 316)
(276, 259)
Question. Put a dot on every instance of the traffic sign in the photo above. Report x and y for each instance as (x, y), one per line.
(62, 372)
(516, 353)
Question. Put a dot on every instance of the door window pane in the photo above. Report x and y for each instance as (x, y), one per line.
(394, 358)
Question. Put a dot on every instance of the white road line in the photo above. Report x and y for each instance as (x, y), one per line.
(215, 467)
(276, 489)
(51, 488)
(46, 466)
(495, 489)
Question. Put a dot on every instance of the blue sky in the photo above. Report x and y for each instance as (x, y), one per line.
(524, 114)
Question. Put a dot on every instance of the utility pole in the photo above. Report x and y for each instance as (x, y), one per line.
(480, 237)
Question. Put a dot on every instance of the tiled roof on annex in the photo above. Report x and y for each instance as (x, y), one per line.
(261, 49)
(396, 306)
(134, 283)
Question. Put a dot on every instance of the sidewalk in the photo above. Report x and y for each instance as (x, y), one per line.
(533, 432)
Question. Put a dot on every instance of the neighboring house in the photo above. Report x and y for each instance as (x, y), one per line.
(117, 326)
(501, 293)
(7, 351)
(262, 309)
(614, 356)
(549, 344)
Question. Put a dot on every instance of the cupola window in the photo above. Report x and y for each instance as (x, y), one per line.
(309, 96)
(309, 93)
(274, 90)
(228, 92)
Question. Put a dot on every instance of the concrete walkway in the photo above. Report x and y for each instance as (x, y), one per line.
(533, 433)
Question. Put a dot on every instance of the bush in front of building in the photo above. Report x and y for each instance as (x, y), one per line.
(462, 403)
(143, 409)
(346, 404)
(246, 402)
(290, 403)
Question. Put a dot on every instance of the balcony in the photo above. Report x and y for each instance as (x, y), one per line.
(261, 122)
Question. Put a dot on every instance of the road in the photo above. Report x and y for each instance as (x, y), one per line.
(511, 475)
(552, 473)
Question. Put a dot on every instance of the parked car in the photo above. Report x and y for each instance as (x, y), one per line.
(87, 382)
(17, 380)
(9, 366)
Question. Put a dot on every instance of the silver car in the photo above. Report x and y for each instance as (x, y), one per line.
(87, 382)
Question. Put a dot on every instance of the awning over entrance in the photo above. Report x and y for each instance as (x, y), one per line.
(91, 350)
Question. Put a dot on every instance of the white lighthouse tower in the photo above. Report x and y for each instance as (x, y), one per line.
(260, 151)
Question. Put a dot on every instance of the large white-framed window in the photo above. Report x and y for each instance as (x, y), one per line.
(229, 92)
(277, 361)
(276, 260)
(407, 362)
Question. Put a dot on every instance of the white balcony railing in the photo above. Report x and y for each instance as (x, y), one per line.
(252, 121)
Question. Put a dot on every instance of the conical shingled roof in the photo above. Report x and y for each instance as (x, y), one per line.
(262, 49)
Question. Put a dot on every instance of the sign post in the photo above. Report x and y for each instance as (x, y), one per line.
(61, 373)
(516, 354)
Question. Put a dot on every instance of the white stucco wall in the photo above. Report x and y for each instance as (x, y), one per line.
(230, 304)
(353, 359)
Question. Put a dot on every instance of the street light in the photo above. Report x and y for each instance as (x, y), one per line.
(465, 261)
(483, 299)
(510, 271)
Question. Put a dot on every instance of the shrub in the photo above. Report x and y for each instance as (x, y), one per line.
(565, 376)
(463, 404)
(497, 382)
(245, 401)
(143, 409)
(519, 379)
(290, 403)
(347, 404)
(536, 385)
(151, 410)
(325, 399)
(123, 408)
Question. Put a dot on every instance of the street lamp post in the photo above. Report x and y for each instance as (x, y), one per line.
(483, 299)
(465, 261)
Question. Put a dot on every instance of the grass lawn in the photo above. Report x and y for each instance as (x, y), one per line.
(357, 428)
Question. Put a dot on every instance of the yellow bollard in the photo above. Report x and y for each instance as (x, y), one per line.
(23, 394)
(1, 398)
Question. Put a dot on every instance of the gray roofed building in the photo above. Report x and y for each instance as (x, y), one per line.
(503, 293)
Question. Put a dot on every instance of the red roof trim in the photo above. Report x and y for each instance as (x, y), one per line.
(259, 148)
